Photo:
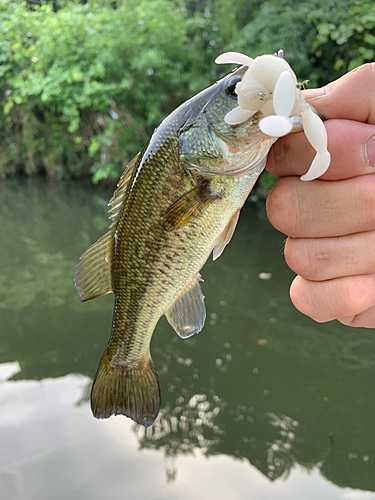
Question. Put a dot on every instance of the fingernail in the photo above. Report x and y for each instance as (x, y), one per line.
(313, 93)
(370, 150)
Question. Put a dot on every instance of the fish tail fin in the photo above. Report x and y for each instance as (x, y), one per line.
(123, 390)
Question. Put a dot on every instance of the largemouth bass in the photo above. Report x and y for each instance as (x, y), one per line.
(178, 201)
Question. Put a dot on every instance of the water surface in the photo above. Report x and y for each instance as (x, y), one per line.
(262, 404)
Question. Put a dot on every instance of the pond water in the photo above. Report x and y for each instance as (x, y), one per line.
(262, 404)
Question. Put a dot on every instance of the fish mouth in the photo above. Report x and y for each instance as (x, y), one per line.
(234, 160)
(243, 160)
(238, 160)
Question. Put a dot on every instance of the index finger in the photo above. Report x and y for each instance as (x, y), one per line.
(351, 144)
(351, 97)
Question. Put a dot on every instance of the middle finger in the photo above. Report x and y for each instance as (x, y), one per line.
(319, 209)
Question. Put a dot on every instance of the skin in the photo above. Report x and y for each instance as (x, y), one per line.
(330, 222)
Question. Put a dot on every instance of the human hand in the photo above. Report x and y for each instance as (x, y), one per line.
(330, 222)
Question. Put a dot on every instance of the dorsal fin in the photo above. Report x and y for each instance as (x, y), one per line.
(93, 275)
(118, 196)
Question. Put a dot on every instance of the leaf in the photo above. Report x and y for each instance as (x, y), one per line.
(354, 63)
(369, 38)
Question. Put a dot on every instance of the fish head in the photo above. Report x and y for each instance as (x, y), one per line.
(210, 145)
(206, 142)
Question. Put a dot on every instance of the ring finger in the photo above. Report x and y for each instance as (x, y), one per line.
(319, 259)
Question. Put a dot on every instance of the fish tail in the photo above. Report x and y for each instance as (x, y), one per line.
(123, 390)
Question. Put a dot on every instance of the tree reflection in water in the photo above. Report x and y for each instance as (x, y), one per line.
(296, 409)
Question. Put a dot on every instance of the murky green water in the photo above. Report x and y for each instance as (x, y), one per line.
(263, 404)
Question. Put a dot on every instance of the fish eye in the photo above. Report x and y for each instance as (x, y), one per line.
(230, 88)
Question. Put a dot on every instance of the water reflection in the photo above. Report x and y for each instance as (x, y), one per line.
(260, 383)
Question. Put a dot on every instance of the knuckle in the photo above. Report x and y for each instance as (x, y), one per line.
(302, 294)
(353, 296)
(365, 211)
(350, 320)
(280, 210)
(364, 79)
(271, 165)
(366, 72)
(304, 258)
(295, 257)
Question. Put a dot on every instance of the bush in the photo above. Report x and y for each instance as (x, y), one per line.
(85, 83)
(84, 87)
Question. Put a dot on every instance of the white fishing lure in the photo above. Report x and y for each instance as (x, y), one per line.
(270, 85)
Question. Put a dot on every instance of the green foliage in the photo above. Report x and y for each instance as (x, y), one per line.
(265, 184)
(350, 40)
(63, 72)
(317, 49)
(281, 25)
(86, 82)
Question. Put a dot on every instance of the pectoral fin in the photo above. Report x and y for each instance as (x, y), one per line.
(188, 206)
(93, 275)
(225, 236)
(187, 315)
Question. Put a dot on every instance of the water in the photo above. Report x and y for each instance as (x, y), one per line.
(263, 404)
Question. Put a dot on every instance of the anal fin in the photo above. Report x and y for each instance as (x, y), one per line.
(225, 236)
(188, 313)
(93, 274)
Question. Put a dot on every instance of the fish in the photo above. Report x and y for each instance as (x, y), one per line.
(177, 202)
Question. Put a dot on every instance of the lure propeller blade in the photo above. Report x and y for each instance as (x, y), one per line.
(234, 58)
(284, 95)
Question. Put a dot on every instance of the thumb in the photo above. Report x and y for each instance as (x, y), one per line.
(351, 97)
